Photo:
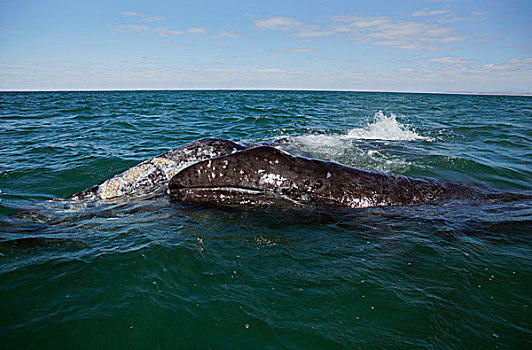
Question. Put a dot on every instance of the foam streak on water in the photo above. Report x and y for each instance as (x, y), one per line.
(149, 273)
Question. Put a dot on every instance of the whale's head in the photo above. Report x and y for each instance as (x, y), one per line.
(262, 175)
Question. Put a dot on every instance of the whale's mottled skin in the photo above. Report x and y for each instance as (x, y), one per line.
(156, 172)
(265, 175)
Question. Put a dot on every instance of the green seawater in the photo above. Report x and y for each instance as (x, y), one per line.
(154, 274)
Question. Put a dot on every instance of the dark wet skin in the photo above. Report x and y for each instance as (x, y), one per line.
(267, 176)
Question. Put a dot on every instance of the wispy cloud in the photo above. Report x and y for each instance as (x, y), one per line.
(144, 18)
(292, 25)
(374, 30)
(145, 29)
(142, 28)
(293, 50)
(165, 32)
(513, 65)
(277, 23)
(10, 31)
(339, 60)
(454, 65)
(227, 34)
(451, 61)
(174, 44)
(428, 13)
(442, 67)
(195, 30)
(508, 76)
(384, 31)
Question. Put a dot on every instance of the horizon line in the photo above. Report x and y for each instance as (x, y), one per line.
(472, 93)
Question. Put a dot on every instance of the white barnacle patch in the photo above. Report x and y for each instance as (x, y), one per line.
(213, 175)
(134, 173)
(159, 161)
(111, 188)
(271, 179)
(328, 175)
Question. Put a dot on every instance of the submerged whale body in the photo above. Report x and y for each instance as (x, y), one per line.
(265, 175)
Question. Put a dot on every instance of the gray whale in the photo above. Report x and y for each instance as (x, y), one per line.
(154, 173)
(265, 175)
(221, 171)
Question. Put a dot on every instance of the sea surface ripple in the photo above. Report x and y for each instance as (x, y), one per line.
(152, 273)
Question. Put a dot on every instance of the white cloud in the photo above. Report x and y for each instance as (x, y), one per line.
(145, 29)
(510, 76)
(383, 31)
(451, 60)
(134, 28)
(226, 34)
(153, 19)
(132, 14)
(427, 13)
(195, 30)
(294, 50)
(451, 19)
(513, 65)
(164, 32)
(297, 28)
(339, 60)
(144, 17)
(374, 30)
(277, 23)
(173, 44)
(312, 33)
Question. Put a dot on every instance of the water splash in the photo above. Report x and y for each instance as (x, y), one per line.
(385, 128)
(356, 147)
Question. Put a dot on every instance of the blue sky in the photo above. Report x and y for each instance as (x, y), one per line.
(428, 46)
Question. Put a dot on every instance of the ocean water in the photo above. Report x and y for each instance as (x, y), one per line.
(152, 273)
